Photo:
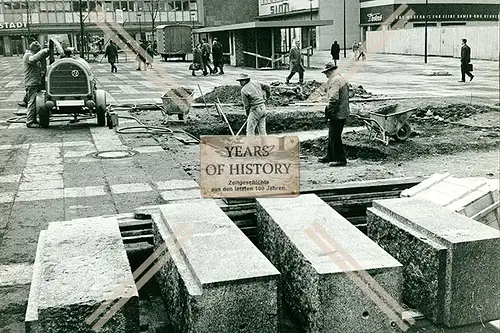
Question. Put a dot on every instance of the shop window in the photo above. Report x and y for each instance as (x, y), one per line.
(76, 6)
(193, 5)
(108, 6)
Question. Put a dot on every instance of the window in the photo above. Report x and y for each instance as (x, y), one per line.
(76, 6)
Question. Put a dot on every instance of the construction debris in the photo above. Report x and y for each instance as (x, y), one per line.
(281, 94)
(452, 112)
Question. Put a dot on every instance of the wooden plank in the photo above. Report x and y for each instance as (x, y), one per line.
(486, 211)
(426, 184)
(463, 195)
(138, 239)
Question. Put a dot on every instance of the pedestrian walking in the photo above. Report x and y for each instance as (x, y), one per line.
(355, 47)
(335, 52)
(112, 54)
(361, 51)
(33, 60)
(150, 55)
(217, 53)
(141, 57)
(465, 65)
(197, 60)
(295, 63)
(252, 95)
(205, 56)
(336, 113)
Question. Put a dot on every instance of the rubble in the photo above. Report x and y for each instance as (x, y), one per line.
(281, 94)
(452, 112)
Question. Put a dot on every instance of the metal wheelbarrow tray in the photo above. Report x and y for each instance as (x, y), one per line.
(388, 122)
(178, 101)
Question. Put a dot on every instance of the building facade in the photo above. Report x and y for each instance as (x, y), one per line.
(408, 14)
(23, 20)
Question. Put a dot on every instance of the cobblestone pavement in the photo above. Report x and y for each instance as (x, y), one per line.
(391, 75)
(50, 174)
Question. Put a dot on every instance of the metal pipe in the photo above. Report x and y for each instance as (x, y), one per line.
(82, 52)
(345, 43)
(425, 46)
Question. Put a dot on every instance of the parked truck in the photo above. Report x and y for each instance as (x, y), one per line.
(173, 41)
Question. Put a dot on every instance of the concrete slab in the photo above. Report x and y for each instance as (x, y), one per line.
(448, 259)
(181, 194)
(76, 275)
(219, 280)
(332, 289)
(15, 274)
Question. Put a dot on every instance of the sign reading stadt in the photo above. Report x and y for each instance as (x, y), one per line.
(249, 167)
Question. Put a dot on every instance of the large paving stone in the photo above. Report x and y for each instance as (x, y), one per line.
(451, 271)
(81, 265)
(333, 289)
(218, 282)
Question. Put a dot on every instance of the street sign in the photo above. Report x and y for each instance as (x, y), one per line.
(119, 16)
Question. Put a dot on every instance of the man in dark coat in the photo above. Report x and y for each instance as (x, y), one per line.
(205, 56)
(296, 63)
(335, 52)
(217, 53)
(336, 112)
(112, 54)
(465, 61)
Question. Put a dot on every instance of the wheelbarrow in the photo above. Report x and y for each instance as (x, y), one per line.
(177, 102)
(388, 122)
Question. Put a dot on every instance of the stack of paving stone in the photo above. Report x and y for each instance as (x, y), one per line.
(451, 271)
(82, 280)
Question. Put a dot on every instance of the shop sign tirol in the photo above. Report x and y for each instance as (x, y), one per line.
(12, 25)
(249, 167)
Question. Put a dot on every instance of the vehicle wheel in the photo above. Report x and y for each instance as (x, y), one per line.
(404, 132)
(100, 102)
(180, 116)
(41, 110)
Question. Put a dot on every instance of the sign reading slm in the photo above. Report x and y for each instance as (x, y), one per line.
(249, 167)
(274, 7)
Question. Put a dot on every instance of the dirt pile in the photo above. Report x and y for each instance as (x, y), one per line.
(281, 94)
(431, 139)
(452, 112)
(226, 94)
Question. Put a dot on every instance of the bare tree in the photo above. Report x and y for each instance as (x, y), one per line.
(153, 9)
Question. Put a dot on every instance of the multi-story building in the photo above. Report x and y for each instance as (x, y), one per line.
(39, 19)
(384, 14)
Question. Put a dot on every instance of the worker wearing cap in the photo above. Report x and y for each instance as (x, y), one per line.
(33, 60)
(336, 112)
(252, 95)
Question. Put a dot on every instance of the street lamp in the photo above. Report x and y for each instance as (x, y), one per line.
(425, 46)
(139, 14)
(310, 28)
(345, 42)
(82, 52)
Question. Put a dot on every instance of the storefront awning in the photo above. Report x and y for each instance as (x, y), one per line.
(266, 24)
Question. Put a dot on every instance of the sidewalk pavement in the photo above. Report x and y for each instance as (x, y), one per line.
(390, 75)
(50, 174)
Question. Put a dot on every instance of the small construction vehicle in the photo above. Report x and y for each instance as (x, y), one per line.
(70, 88)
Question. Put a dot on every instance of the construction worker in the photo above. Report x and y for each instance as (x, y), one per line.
(33, 60)
(254, 103)
(336, 112)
